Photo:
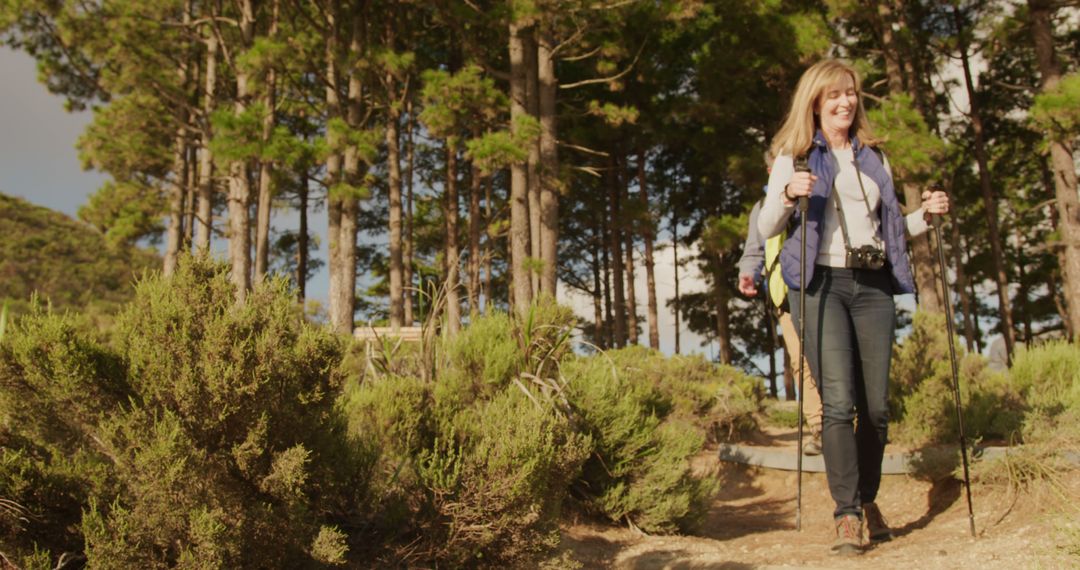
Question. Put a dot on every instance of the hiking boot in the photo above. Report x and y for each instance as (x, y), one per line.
(876, 526)
(848, 536)
(813, 445)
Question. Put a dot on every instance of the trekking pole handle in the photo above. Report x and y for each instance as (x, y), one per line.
(801, 165)
(935, 219)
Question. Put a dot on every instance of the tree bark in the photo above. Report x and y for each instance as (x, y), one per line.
(723, 313)
(178, 189)
(1062, 163)
(453, 261)
(239, 184)
(345, 306)
(302, 239)
(989, 201)
(598, 305)
(631, 295)
(266, 165)
(605, 259)
(333, 173)
(615, 243)
(476, 180)
(520, 274)
(961, 285)
(488, 249)
(407, 241)
(647, 231)
(549, 164)
(177, 193)
(393, 159)
(675, 266)
(206, 157)
(930, 299)
(192, 177)
(532, 104)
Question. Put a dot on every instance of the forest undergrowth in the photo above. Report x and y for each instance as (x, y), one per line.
(202, 433)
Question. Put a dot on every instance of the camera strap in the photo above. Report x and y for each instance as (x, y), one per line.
(840, 210)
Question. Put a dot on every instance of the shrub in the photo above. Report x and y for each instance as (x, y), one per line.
(1048, 375)
(207, 438)
(720, 400)
(921, 397)
(640, 470)
(499, 485)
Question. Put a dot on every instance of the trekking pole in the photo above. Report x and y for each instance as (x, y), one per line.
(935, 221)
(804, 207)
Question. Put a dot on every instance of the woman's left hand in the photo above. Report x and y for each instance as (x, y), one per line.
(935, 202)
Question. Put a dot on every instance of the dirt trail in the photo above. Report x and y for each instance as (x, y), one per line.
(751, 526)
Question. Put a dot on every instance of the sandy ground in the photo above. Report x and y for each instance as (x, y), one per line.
(751, 525)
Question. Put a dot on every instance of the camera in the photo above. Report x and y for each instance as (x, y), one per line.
(865, 257)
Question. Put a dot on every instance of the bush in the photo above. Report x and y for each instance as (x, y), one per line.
(1048, 375)
(640, 471)
(207, 437)
(499, 486)
(921, 398)
(720, 400)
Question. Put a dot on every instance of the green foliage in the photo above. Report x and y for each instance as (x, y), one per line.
(126, 212)
(132, 139)
(63, 261)
(208, 438)
(1048, 375)
(911, 148)
(1058, 111)
(501, 484)
(641, 413)
(612, 114)
(923, 408)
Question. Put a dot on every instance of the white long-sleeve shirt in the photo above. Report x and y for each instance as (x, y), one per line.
(861, 228)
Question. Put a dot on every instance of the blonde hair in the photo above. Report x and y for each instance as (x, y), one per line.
(796, 134)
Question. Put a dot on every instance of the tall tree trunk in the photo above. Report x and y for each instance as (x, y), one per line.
(631, 295)
(597, 294)
(549, 164)
(350, 205)
(206, 158)
(334, 198)
(489, 251)
(192, 177)
(178, 190)
(532, 103)
(239, 184)
(617, 274)
(453, 260)
(393, 159)
(647, 230)
(930, 300)
(1062, 163)
(177, 193)
(519, 186)
(989, 201)
(605, 258)
(476, 180)
(723, 313)
(407, 241)
(961, 285)
(675, 266)
(266, 165)
(302, 239)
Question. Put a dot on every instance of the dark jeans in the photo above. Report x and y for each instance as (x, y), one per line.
(850, 322)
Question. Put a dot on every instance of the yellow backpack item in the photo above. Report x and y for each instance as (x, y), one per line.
(777, 288)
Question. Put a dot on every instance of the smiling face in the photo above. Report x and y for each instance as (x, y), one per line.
(837, 105)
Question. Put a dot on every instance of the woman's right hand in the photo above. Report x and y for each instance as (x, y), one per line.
(801, 184)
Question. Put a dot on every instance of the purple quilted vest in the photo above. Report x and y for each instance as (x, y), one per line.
(892, 229)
